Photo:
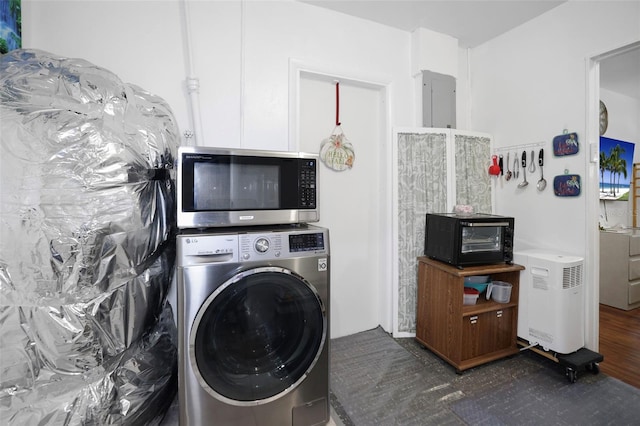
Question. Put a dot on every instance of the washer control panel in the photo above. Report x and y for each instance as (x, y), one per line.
(250, 246)
(260, 246)
(278, 245)
(310, 241)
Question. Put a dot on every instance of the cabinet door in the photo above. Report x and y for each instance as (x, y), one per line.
(472, 334)
(428, 179)
(634, 292)
(438, 100)
(486, 333)
(472, 182)
(500, 324)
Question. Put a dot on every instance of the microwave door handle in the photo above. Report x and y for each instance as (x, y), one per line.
(484, 224)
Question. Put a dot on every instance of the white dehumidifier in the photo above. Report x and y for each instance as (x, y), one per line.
(551, 302)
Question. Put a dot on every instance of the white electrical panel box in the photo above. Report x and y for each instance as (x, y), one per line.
(438, 100)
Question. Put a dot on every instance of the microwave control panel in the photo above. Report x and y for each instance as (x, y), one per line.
(308, 184)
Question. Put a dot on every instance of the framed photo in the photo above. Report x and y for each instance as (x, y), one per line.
(616, 168)
(10, 25)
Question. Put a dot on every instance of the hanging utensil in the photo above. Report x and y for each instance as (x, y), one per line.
(507, 176)
(524, 170)
(516, 166)
(542, 183)
(532, 166)
(501, 165)
(494, 169)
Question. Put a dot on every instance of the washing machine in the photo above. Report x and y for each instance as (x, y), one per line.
(253, 326)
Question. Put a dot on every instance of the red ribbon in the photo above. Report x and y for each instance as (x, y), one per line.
(337, 103)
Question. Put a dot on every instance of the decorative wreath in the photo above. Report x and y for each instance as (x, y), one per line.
(336, 152)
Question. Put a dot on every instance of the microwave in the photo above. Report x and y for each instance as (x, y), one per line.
(237, 187)
(474, 239)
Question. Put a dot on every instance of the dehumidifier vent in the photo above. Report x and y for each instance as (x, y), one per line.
(571, 277)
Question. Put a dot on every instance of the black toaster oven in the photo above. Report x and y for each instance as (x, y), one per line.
(469, 239)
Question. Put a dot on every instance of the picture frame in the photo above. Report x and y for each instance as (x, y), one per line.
(10, 25)
(616, 168)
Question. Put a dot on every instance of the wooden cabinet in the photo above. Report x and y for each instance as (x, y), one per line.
(620, 269)
(465, 335)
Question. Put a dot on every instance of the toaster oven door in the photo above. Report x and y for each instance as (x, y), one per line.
(484, 241)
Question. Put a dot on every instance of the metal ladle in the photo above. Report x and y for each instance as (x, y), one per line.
(524, 170)
(507, 175)
(542, 183)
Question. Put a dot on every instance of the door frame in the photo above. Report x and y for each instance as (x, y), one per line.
(592, 167)
(299, 69)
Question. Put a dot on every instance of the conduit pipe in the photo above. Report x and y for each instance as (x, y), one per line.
(193, 84)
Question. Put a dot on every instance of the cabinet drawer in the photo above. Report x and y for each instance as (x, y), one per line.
(634, 292)
(634, 268)
(634, 245)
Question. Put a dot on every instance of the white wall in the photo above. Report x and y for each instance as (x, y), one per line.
(141, 47)
(624, 118)
(526, 86)
(530, 84)
(242, 55)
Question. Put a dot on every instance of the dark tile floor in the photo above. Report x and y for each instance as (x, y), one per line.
(383, 381)
(378, 380)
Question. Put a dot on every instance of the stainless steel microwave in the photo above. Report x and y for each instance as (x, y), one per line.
(219, 187)
(475, 239)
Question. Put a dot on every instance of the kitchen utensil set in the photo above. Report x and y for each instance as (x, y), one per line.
(496, 168)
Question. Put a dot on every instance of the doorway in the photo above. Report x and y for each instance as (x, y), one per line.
(607, 75)
(353, 202)
(619, 88)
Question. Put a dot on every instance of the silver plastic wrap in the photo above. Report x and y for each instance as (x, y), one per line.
(86, 245)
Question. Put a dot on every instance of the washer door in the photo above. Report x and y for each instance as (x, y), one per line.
(257, 336)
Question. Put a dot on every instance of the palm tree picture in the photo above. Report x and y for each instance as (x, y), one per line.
(616, 162)
(10, 25)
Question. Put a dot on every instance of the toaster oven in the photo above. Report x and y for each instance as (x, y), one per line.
(469, 239)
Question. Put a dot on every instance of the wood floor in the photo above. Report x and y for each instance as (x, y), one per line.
(620, 344)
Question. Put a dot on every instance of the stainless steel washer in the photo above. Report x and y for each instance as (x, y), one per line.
(253, 326)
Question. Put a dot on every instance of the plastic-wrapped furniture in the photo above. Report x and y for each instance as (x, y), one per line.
(86, 245)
